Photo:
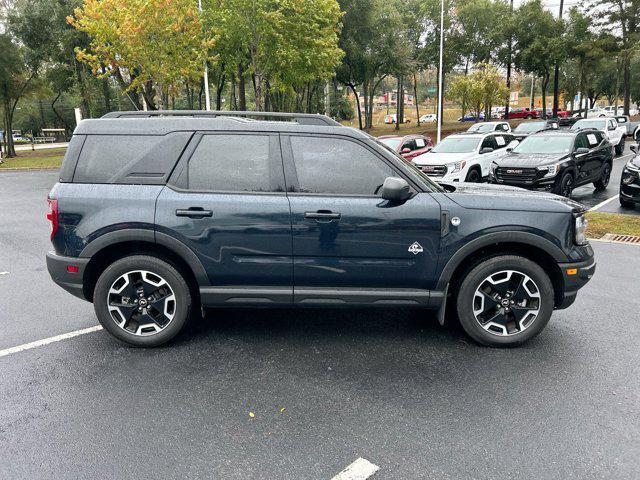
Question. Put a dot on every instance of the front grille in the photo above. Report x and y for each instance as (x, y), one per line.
(516, 175)
(435, 170)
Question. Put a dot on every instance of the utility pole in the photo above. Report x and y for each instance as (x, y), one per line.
(509, 61)
(207, 97)
(556, 74)
(440, 109)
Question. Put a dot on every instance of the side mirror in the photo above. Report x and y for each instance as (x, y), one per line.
(634, 149)
(395, 189)
(486, 150)
(581, 151)
(406, 150)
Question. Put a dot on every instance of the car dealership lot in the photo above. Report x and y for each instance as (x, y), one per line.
(325, 386)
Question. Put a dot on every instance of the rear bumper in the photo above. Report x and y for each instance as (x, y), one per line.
(72, 282)
(575, 281)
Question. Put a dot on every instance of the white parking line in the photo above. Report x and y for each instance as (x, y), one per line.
(47, 341)
(358, 470)
(602, 204)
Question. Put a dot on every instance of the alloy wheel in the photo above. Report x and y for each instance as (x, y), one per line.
(606, 175)
(141, 302)
(506, 303)
(567, 187)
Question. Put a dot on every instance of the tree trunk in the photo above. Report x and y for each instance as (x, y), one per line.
(545, 82)
(84, 97)
(67, 127)
(242, 92)
(415, 96)
(626, 82)
(219, 89)
(355, 94)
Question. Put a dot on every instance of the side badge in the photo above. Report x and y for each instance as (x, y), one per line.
(415, 248)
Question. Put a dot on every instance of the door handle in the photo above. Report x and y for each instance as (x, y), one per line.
(194, 212)
(321, 215)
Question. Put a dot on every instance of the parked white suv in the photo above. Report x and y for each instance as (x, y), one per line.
(486, 127)
(614, 132)
(464, 157)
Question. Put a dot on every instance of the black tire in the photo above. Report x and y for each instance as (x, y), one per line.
(565, 187)
(477, 276)
(603, 181)
(619, 149)
(473, 176)
(181, 307)
(626, 204)
(528, 117)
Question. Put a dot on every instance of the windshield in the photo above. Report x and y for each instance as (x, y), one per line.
(456, 144)
(481, 127)
(599, 124)
(411, 170)
(545, 144)
(529, 127)
(392, 143)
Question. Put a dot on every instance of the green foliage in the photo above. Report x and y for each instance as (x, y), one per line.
(480, 90)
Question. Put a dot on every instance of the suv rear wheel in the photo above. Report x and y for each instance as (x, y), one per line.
(505, 300)
(142, 300)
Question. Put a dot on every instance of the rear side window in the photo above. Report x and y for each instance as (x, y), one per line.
(231, 163)
(129, 159)
(337, 166)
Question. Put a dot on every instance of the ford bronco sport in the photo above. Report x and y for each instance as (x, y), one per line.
(156, 215)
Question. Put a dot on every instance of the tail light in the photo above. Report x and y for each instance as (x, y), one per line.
(52, 216)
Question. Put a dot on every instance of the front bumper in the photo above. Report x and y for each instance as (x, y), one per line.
(71, 281)
(575, 275)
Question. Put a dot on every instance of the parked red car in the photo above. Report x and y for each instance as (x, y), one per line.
(522, 113)
(408, 146)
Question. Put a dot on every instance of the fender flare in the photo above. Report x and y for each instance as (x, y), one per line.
(469, 248)
(149, 236)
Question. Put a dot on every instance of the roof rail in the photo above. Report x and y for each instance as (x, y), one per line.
(301, 118)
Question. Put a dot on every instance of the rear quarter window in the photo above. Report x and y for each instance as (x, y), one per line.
(129, 159)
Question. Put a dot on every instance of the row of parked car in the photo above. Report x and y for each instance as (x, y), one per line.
(538, 155)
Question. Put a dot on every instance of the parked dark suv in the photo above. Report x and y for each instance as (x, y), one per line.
(155, 217)
(557, 161)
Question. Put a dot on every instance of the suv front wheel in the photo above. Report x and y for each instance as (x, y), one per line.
(142, 300)
(505, 301)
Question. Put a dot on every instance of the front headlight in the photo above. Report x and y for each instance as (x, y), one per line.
(457, 167)
(581, 230)
(550, 170)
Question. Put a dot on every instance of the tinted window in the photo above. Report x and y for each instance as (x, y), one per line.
(333, 165)
(129, 158)
(232, 163)
(488, 142)
(581, 142)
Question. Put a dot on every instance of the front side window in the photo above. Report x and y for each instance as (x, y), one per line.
(581, 142)
(337, 166)
(231, 163)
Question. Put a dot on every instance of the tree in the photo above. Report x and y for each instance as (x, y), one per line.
(481, 90)
(623, 17)
(15, 79)
(287, 43)
(538, 45)
(372, 45)
(151, 46)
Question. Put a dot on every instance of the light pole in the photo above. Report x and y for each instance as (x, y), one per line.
(556, 73)
(207, 98)
(439, 135)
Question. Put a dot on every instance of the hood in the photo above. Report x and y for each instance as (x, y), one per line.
(529, 160)
(431, 158)
(635, 161)
(485, 196)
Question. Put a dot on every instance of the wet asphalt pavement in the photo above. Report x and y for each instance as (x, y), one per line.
(325, 386)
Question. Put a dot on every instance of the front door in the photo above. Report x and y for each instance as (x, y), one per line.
(227, 203)
(345, 236)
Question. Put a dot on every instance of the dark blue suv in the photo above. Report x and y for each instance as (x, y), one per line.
(158, 215)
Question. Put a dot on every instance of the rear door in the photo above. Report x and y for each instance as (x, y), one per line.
(226, 202)
(345, 236)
